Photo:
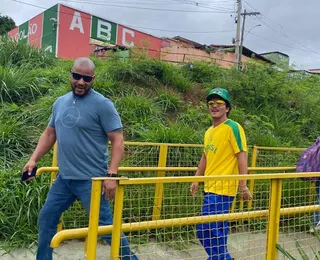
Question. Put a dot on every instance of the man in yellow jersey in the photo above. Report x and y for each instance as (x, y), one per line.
(225, 153)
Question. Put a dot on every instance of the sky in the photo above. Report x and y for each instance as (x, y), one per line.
(287, 26)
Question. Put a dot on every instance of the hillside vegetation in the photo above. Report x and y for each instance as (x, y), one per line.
(157, 101)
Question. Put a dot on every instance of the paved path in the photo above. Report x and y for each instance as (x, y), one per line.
(241, 246)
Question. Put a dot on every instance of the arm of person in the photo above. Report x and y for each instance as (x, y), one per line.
(200, 172)
(243, 190)
(117, 150)
(45, 143)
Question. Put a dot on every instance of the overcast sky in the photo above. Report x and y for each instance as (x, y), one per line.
(288, 26)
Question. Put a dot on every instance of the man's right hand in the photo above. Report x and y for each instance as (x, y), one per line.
(244, 193)
(194, 188)
(29, 167)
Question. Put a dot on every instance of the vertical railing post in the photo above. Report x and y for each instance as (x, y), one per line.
(53, 176)
(94, 219)
(274, 219)
(54, 163)
(158, 196)
(117, 222)
(253, 164)
(312, 192)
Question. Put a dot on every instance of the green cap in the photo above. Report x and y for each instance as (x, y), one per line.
(221, 92)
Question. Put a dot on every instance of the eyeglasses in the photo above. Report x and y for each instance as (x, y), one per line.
(77, 76)
(219, 103)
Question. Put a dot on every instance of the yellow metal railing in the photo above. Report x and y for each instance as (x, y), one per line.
(263, 159)
(160, 154)
(292, 152)
(273, 212)
(158, 197)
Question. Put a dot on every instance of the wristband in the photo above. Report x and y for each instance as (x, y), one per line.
(112, 175)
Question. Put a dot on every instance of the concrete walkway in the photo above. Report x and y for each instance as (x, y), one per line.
(241, 246)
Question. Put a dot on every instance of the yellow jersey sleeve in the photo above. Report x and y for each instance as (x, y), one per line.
(237, 137)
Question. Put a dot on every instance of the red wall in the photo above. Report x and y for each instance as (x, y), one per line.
(132, 38)
(14, 33)
(35, 30)
(73, 33)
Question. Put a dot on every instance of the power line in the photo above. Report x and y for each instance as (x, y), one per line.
(178, 31)
(274, 41)
(133, 7)
(303, 48)
(134, 3)
(266, 47)
(281, 33)
(199, 4)
(219, 9)
(140, 27)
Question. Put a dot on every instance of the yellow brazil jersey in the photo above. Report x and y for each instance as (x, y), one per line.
(221, 144)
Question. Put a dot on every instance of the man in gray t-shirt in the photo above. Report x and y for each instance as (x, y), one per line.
(82, 122)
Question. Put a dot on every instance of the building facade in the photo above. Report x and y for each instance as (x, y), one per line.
(70, 33)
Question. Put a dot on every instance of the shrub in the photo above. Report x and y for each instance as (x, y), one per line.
(168, 100)
(197, 117)
(18, 53)
(19, 84)
(15, 137)
(203, 72)
(171, 133)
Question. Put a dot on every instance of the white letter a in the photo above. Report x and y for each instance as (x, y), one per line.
(76, 22)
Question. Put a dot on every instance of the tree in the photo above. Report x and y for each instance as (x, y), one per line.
(6, 24)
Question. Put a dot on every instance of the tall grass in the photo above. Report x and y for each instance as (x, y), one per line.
(18, 53)
(169, 101)
(150, 72)
(20, 84)
(203, 72)
(136, 112)
(16, 138)
(20, 205)
(302, 253)
(170, 133)
(196, 116)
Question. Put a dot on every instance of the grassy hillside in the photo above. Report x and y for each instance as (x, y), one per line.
(157, 102)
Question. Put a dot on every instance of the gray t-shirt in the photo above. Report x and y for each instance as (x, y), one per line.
(81, 124)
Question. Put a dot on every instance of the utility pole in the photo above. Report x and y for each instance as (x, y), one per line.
(242, 33)
(237, 40)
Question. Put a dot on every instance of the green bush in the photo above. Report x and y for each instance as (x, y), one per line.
(203, 72)
(196, 116)
(168, 100)
(18, 53)
(150, 73)
(19, 84)
(15, 137)
(20, 204)
(171, 133)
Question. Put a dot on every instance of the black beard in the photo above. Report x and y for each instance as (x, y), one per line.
(82, 95)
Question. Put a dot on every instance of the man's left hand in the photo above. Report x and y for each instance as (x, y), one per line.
(109, 189)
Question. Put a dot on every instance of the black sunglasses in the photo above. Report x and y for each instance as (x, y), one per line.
(77, 76)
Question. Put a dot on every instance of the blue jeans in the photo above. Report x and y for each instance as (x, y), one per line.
(213, 236)
(316, 214)
(61, 195)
